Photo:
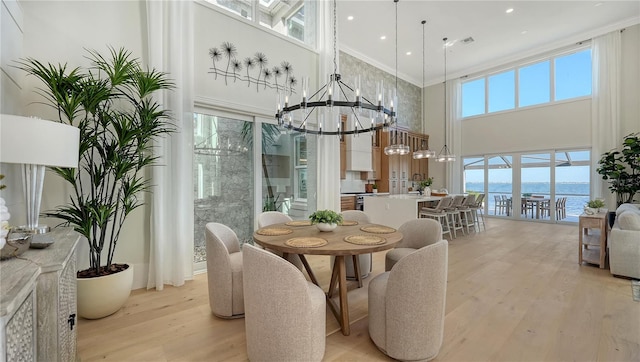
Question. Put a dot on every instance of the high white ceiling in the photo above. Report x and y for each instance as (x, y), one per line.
(533, 27)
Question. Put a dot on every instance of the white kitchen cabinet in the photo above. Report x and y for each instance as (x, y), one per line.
(359, 152)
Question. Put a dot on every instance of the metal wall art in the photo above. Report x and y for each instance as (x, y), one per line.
(252, 70)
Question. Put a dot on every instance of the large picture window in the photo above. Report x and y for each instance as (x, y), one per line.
(557, 78)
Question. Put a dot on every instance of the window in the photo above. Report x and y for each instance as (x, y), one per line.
(293, 19)
(300, 166)
(502, 93)
(573, 75)
(571, 79)
(473, 98)
(534, 84)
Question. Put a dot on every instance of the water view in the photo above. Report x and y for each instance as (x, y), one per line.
(577, 194)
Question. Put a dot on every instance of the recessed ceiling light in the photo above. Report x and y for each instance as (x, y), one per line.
(509, 10)
(383, 37)
(408, 53)
(350, 17)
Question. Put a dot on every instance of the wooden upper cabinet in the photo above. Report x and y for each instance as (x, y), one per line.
(343, 150)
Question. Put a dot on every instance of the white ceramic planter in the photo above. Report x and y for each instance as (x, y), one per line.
(103, 296)
(326, 227)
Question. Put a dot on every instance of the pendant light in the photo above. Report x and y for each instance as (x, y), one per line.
(445, 155)
(422, 153)
(396, 148)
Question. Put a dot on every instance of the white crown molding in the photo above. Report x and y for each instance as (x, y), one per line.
(559, 44)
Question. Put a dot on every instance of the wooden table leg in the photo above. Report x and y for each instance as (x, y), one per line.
(356, 269)
(342, 286)
(308, 269)
(334, 279)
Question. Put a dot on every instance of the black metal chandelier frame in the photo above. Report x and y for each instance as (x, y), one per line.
(387, 115)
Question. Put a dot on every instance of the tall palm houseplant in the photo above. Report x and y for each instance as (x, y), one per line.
(111, 103)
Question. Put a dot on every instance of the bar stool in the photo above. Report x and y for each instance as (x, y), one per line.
(454, 214)
(467, 212)
(480, 212)
(439, 214)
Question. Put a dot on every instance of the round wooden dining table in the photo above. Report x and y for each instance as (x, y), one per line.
(335, 246)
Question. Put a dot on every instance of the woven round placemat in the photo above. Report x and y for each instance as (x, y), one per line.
(349, 222)
(274, 231)
(365, 239)
(378, 229)
(298, 223)
(306, 242)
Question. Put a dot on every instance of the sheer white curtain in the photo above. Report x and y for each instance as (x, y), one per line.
(328, 189)
(454, 135)
(605, 106)
(170, 38)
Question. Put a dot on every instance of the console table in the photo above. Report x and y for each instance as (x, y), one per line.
(38, 302)
(593, 238)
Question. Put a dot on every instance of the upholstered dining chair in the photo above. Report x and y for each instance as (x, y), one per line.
(224, 271)
(364, 260)
(415, 235)
(285, 315)
(276, 217)
(407, 305)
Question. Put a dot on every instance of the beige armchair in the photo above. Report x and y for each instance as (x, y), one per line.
(285, 315)
(276, 217)
(415, 235)
(224, 271)
(407, 305)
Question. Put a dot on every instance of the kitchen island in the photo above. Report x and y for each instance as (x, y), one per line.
(395, 210)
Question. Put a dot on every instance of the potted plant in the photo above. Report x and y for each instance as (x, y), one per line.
(374, 188)
(593, 206)
(622, 169)
(112, 104)
(326, 220)
(423, 186)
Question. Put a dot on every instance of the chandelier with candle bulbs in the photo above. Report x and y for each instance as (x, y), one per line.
(337, 94)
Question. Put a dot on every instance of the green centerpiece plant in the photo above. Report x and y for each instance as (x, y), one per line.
(325, 217)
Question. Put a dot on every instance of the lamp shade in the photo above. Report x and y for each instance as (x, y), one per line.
(35, 141)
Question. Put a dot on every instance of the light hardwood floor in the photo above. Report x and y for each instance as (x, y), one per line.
(515, 293)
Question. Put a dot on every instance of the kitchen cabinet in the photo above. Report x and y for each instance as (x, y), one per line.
(343, 161)
(343, 150)
(347, 203)
(374, 174)
(398, 172)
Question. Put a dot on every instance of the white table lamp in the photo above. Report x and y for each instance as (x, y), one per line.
(37, 143)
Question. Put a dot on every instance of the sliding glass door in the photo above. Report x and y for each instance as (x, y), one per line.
(541, 186)
(223, 177)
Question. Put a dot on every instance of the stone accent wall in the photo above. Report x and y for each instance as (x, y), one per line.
(410, 108)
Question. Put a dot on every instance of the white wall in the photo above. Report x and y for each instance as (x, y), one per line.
(11, 83)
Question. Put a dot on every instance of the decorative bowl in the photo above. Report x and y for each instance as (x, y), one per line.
(326, 227)
(17, 243)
